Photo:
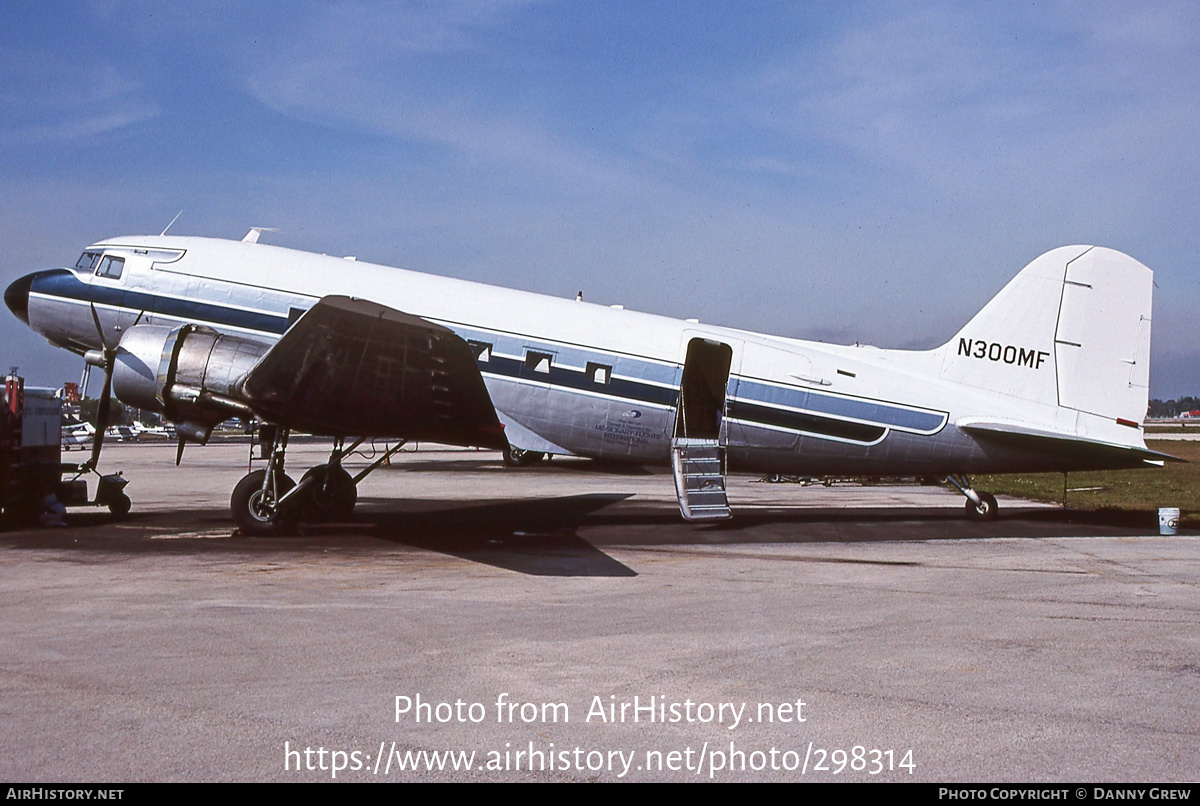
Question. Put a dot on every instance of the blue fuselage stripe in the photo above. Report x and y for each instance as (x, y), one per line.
(870, 411)
(516, 369)
(67, 286)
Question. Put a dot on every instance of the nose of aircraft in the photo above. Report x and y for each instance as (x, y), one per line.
(16, 297)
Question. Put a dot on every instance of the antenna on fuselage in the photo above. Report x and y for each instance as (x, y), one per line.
(173, 220)
(252, 235)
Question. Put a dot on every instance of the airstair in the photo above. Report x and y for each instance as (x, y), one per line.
(699, 466)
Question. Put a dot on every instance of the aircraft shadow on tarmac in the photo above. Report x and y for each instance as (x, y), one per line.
(533, 537)
(541, 537)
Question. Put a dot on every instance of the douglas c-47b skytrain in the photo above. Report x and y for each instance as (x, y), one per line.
(1052, 374)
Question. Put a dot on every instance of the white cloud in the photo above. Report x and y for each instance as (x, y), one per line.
(51, 99)
(77, 129)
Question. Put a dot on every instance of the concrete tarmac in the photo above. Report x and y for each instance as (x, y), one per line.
(563, 618)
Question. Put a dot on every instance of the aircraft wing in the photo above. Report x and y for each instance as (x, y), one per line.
(350, 367)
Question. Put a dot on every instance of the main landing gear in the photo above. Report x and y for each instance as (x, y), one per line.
(267, 502)
(980, 506)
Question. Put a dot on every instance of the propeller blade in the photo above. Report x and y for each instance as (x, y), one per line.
(110, 358)
(100, 331)
(101, 418)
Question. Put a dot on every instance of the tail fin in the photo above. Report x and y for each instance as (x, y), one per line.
(1071, 330)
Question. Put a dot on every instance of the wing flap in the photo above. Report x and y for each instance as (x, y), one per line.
(350, 367)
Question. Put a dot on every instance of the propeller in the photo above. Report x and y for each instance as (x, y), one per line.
(105, 359)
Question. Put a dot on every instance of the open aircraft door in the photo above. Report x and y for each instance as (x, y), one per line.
(701, 434)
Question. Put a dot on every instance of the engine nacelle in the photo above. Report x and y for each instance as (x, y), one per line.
(190, 374)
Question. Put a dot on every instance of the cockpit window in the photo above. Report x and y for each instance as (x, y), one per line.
(87, 261)
(111, 267)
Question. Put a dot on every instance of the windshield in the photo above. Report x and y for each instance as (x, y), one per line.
(87, 261)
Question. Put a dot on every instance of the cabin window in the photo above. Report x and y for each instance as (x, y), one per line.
(111, 267)
(87, 261)
(538, 362)
(599, 373)
(481, 350)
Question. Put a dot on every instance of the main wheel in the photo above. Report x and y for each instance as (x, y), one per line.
(255, 511)
(985, 510)
(331, 496)
(515, 457)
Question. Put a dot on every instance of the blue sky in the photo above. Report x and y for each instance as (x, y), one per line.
(844, 171)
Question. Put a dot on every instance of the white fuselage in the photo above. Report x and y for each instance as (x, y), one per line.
(574, 377)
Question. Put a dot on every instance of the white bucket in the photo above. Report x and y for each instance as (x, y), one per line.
(1168, 520)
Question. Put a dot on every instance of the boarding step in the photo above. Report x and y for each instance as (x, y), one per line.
(699, 466)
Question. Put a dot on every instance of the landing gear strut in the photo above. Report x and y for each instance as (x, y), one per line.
(258, 500)
(980, 506)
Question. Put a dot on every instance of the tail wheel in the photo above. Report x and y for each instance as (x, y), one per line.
(331, 496)
(515, 457)
(256, 510)
(985, 510)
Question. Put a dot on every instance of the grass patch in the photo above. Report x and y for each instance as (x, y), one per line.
(1176, 485)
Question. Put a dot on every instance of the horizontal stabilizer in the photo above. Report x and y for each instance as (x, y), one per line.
(1100, 455)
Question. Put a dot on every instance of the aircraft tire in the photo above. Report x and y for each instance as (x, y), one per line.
(120, 505)
(986, 510)
(337, 504)
(255, 517)
(515, 457)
